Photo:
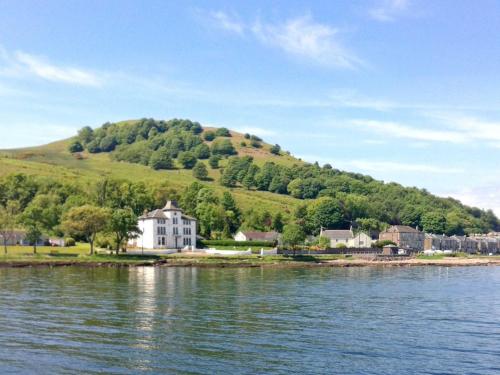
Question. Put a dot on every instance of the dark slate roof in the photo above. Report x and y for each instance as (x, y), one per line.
(337, 233)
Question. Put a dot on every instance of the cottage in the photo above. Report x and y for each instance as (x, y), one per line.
(256, 236)
(166, 228)
(337, 236)
(404, 237)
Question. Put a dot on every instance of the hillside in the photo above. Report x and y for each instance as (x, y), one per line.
(259, 176)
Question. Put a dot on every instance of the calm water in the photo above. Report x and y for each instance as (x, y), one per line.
(250, 321)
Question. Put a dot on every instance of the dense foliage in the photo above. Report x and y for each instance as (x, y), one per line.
(332, 198)
(154, 143)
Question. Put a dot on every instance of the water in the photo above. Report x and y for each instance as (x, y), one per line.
(425, 320)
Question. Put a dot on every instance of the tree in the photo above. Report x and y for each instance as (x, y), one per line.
(276, 149)
(325, 212)
(202, 151)
(200, 171)
(213, 161)
(108, 143)
(222, 132)
(278, 224)
(324, 242)
(31, 221)
(293, 235)
(187, 159)
(123, 225)
(85, 134)
(86, 221)
(222, 147)
(8, 220)
(209, 135)
(434, 222)
(75, 146)
(161, 159)
(233, 214)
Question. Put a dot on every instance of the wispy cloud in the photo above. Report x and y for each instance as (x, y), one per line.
(227, 22)
(484, 196)
(21, 65)
(304, 38)
(388, 10)
(397, 130)
(383, 166)
(301, 37)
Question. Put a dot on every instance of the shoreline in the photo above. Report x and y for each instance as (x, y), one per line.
(247, 262)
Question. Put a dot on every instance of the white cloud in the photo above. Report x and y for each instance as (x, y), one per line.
(30, 133)
(390, 166)
(21, 65)
(306, 39)
(388, 10)
(397, 130)
(227, 22)
(50, 72)
(473, 128)
(485, 197)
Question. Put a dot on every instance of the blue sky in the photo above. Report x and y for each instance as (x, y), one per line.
(403, 90)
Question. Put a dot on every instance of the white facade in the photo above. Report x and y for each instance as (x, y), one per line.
(240, 236)
(360, 240)
(166, 228)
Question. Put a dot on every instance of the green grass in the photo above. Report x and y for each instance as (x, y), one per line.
(53, 160)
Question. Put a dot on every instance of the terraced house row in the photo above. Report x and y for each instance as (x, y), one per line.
(409, 238)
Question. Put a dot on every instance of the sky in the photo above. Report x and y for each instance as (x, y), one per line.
(402, 90)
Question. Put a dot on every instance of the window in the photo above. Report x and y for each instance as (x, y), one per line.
(161, 221)
(187, 241)
(175, 220)
(176, 231)
(161, 231)
(163, 241)
(159, 241)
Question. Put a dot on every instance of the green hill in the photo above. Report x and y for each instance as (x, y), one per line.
(260, 176)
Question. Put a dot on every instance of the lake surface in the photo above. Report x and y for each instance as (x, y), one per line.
(421, 320)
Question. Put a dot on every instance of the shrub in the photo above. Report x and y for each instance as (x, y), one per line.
(93, 147)
(108, 144)
(209, 135)
(69, 242)
(202, 151)
(187, 159)
(161, 159)
(246, 136)
(276, 149)
(222, 132)
(200, 171)
(75, 146)
(341, 246)
(255, 144)
(243, 144)
(381, 243)
(214, 161)
(223, 147)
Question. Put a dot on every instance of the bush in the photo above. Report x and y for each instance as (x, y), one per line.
(200, 171)
(93, 147)
(209, 135)
(243, 144)
(69, 242)
(210, 243)
(276, 149)
(222, 132)
(223, 147)
(214, 161)
(108, 144)
(187, 159)
(380, 244)
(341, 246)
(255, 144)
(161, 159)
(75, 146)
(202, 151)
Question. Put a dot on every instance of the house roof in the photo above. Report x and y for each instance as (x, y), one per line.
(171, 205)
(263, 236)
(402, 229)
(337, 233)
(188, 217)
(156, 214)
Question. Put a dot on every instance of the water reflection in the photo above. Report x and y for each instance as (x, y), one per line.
(190, 320)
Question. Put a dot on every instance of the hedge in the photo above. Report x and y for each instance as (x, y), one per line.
(209, 243)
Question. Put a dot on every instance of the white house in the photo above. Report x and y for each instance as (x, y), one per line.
(347, 238)
(166, 228)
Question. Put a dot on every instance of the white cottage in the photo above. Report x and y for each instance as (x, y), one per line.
(166, 228)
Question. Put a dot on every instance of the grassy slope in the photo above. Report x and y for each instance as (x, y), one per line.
(54, 160)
